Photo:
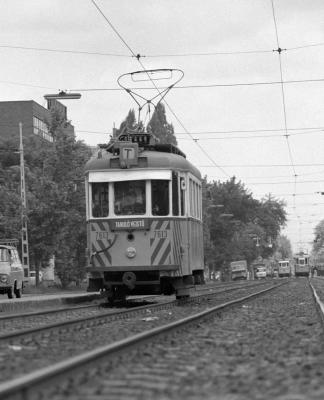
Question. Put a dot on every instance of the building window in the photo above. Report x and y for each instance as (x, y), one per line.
(41, 129)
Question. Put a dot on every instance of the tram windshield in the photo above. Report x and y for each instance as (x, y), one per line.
(130, 198)
(160, 197)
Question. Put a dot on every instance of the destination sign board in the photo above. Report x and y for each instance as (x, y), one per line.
(128, 224)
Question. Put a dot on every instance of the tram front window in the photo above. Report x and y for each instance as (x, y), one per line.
(160, 197)
(130, 198)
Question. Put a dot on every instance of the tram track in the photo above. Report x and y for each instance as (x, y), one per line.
(96, 313)
(27, 384)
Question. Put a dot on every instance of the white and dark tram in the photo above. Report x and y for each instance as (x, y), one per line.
(302, 264)
(284, 268)
(144, 219)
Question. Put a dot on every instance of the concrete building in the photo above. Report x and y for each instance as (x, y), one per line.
(33, 117)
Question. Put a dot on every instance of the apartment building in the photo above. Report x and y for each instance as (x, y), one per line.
(33, 116)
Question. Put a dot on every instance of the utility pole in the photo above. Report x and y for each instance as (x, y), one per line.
(24, 231)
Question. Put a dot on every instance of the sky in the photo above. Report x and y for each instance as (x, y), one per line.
(242, 109)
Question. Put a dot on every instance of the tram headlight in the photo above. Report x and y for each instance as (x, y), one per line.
(4, 278)
(131, 252)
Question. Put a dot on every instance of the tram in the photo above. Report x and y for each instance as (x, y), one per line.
(144, 218)
(302, 265)
(284, 269)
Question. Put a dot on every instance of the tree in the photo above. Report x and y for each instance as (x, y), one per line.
(128, 123)
(65, 169)
(318, 244)
(249, 222)
(56, 201)
(283, 248)
(159, 126)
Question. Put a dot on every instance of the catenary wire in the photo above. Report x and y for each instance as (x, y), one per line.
(207, 86)
(193, 54)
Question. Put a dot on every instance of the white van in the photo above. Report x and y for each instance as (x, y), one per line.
(11, 271)
(261, 273)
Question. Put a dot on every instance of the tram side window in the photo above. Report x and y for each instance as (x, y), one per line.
(160, 197)
(130, 198)
(100, 207)
(175, 194)
(182, 196)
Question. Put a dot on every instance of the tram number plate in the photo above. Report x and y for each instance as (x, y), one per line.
(160, 234)
(102, 235)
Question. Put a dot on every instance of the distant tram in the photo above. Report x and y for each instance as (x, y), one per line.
(302, 265)
(284, 268)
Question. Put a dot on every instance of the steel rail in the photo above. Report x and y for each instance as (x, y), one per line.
(62, 309)
(45, 312)
(11, 316)
(318, 302)
(24, 387)
(117, 314)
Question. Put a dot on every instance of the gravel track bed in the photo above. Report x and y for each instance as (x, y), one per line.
(318, 284)
(270, 347)
(25, 354)
(35, 321)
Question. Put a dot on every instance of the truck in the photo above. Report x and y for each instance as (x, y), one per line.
(239, 270)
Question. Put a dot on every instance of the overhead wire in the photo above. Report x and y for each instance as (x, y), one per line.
(207, 86)
(306, 129)
(179, 87)
(193, 54)
(95, 53)
(252, 136)
(263, 165)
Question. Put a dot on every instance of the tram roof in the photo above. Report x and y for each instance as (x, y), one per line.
(148, 159)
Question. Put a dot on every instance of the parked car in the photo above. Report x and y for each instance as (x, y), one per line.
(261, 273)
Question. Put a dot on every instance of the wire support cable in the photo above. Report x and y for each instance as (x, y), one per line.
(308, 130)
(263, 165)
(279, 50)
(212, 53)
(207, 86)
(250, 136)
(305, 46)
(43, 49)
(193, 54)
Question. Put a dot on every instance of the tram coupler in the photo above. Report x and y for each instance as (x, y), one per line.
(129, 280)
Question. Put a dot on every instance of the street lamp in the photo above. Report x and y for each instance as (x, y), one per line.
(62, 95)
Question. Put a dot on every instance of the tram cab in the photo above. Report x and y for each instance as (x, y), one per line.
(144, 218)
